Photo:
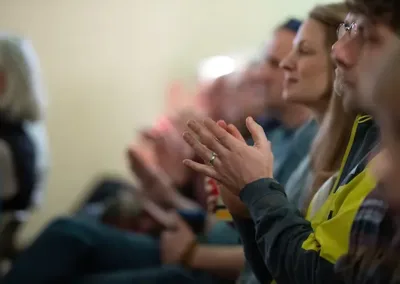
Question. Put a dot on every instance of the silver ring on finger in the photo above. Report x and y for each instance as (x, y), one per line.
(212, 159)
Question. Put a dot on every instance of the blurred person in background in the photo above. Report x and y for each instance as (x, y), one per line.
(288, 246)
(373, 29)
(23, 139)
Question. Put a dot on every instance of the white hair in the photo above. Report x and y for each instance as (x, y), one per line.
(24, 97)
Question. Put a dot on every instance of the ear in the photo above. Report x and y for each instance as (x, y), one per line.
(2, 82)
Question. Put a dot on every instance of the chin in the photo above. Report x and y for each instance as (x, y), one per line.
(289, 96)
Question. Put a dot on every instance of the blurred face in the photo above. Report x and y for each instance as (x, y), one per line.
(386, 103)
(360, 44)
(215, 98)
(269, 74)
(250, 95)
(235, 96)
(389, 164)
(308, 69)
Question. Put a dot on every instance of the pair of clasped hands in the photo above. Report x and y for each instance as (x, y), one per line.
(227, 157)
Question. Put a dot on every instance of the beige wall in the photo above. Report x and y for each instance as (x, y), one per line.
(106, 63)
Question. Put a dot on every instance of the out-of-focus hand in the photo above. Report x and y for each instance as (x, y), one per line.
(154, 182)
(236, 164)
(176, 241)
(170, 149)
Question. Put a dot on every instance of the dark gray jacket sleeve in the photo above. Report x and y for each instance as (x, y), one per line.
(280, 231)
(253, 256)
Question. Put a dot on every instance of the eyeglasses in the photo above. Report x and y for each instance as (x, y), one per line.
(346, 28)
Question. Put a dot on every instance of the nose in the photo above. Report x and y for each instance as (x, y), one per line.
(288, 63)
(345, 51)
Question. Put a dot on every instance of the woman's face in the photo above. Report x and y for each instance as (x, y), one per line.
(308, 68)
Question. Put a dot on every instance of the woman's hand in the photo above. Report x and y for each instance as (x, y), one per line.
(235, 163)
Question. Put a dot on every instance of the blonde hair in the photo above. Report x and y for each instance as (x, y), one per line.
(24, 97)
(331, 141)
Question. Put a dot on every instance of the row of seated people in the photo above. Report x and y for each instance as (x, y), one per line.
(250, 96)
(293, 199)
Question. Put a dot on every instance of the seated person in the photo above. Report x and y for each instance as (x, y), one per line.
(23, 151)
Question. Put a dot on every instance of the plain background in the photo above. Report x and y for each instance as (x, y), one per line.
(107, 64)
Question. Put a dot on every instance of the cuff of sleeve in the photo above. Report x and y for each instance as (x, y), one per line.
(258, 189)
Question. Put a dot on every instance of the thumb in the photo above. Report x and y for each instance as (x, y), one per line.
(257, 133)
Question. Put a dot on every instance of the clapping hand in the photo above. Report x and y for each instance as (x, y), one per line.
(228, 159)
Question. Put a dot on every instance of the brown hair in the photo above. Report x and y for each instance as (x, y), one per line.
(331, 141)
(385, 11)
